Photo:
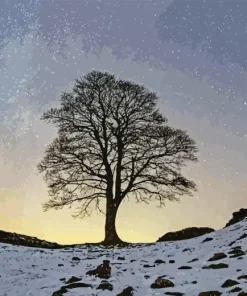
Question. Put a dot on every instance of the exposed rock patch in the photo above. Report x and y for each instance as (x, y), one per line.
(234, 290)
(237, 217)
(236, 252)
(207, 239)
(229, 283)
(159, 261)
(210, 293)
(102, 271)
(193, 260)
(185, 267)
(161, 283)
(105, 285)
(218, 256)
(174, 293)
(75, 259)
(186, 233)
(216, 266)
(65, 289)
(129, 291)
(73, 279)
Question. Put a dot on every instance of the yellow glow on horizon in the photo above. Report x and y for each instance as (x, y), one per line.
(136, 222)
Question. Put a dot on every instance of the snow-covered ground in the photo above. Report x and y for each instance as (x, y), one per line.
(32, 271)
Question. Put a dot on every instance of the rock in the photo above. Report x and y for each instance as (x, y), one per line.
(174, 293)
(218, 256)
(207, 239)
(60, 292)
(171, 261)
(148, 266)
(193, 260)
(127, 292)
(185, 267)
(242, 277)
(237, 217)
(105, 285)
(229, 283)
(236, 252)
(234, 290)
(73, 279)
(242, 236)
(102, 271)
(237, 247)
(161, 283)
(159, 261)
(78, 285)
(64, 289)
(215, 266)
(186, 233)
(75, 259)
(185, 250)
(120, 258)
(210, 293)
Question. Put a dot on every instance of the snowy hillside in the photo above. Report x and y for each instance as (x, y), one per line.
(214, 262)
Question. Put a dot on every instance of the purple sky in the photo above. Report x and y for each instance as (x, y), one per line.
(192, 53)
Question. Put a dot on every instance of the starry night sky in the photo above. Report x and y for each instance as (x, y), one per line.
(191, 53)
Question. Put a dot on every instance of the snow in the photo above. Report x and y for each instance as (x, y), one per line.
(34, 271)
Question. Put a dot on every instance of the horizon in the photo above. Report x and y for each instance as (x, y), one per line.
(201, 89)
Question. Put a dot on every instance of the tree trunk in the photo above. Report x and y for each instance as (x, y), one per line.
(111, 236)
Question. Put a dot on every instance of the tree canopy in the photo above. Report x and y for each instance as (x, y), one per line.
(113, 142)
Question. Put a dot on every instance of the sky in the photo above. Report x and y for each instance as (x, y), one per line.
(191, 53)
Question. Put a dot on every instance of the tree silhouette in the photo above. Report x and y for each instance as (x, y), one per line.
(113, 142)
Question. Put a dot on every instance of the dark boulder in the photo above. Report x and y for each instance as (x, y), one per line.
(161, 283)
(174, 293)
(185, 267)
(73, 279)
(216, 266)
(237, 217)
(127, 292)
(229, 283)
(234, 290)
(105, 285)
(217, 256)
(102, 271)
(210, 293)
(207, 239)
(65, 289)
(186, 233)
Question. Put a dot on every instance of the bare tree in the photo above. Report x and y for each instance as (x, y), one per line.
(113, 142)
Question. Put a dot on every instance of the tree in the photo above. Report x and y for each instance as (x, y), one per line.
(112, 143)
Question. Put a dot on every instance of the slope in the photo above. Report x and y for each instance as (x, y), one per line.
(213, 262)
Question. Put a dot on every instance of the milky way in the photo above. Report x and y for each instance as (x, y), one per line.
(192, 53)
